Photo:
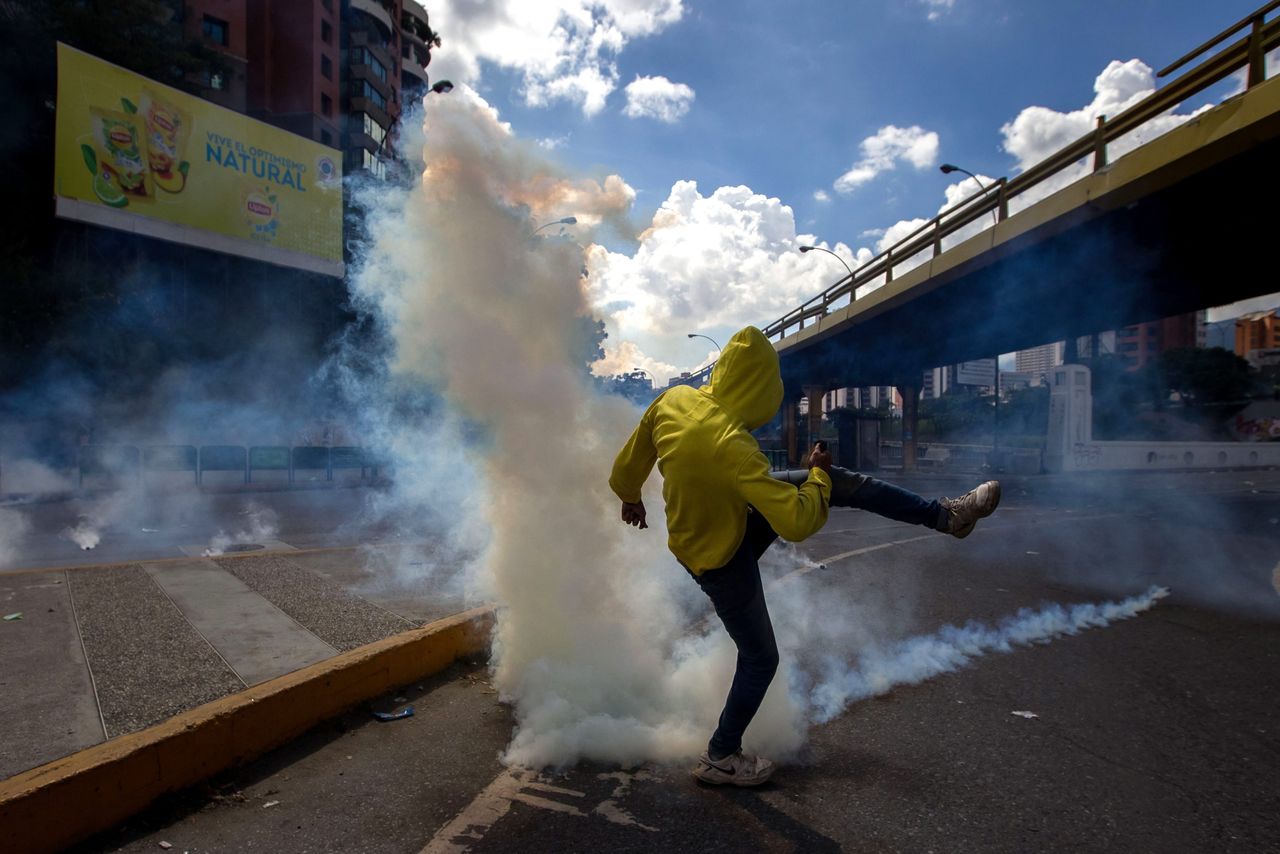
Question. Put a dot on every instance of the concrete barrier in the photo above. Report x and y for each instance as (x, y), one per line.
(72, 798)
(1071, 446)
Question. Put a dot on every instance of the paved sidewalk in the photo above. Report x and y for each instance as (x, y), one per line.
(106, 650)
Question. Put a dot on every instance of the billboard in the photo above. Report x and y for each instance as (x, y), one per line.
(977, 372)
(136, 155)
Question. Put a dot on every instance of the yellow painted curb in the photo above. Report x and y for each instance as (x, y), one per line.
(69, 799)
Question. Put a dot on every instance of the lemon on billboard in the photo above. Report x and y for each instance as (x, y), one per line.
(137, 155)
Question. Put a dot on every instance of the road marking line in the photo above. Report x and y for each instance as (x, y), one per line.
(512, 786)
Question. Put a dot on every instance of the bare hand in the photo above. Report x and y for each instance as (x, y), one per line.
(819, 457)
(633, 514)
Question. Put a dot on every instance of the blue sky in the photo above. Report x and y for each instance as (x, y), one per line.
(783, 99)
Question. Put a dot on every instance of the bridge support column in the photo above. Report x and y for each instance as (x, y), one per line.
(910, 424)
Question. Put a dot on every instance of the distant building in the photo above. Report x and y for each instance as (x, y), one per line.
(1259, 330)
(1039, 361)
(335, 71)
(1143, 342)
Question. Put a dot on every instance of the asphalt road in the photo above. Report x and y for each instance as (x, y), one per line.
(1157, 733)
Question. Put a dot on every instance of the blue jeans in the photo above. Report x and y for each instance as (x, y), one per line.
(737, 594)
(902, 505)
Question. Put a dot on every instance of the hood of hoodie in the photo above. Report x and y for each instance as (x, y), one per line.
(746, 379)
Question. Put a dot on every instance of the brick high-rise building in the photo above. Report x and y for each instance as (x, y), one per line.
(335, 71)
(221, 26)
(1143, 342)
(1259, 330)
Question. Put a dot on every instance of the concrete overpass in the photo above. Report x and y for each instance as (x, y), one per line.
(1183, 222)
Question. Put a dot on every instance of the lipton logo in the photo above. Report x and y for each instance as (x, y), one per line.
(163, 121)
(258, 206)
(120, 136)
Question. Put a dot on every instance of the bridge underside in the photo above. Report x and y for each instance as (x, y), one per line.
(1206, 240)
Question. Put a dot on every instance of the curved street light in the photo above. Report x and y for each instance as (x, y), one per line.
(568, 220)
(719, 349)
(804, 249)
(442, 87)
(653, 381)
(947, 169)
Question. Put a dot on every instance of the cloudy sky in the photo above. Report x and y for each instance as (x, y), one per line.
(741, 130)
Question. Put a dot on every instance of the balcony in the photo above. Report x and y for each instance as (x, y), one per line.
(377, 11)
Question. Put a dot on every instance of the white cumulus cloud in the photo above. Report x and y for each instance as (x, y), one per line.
(882, 152)
(821, 196)
(658, 98)
(707, 263)
(1038, 132)
(564, 50)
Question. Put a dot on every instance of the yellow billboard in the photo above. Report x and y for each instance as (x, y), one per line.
(137, 155)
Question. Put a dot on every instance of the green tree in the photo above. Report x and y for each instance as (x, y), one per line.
(1204, 375)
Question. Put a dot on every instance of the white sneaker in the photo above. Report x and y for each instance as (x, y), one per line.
(739, 769)
(965, 511)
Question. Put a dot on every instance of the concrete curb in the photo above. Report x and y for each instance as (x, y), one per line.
(69, 799)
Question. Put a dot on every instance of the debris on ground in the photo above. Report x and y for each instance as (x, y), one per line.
(1028, 715)
(271, 804)
(165, 845)
(1033, 553)
(16, 615)
(400, 700)
(406, 712)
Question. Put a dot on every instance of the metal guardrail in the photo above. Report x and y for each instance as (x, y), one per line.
(1249, 51)
(131, 462)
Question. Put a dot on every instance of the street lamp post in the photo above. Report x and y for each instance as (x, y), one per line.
(568, 220)
(708, 337)
(804, 249)
(947, 169)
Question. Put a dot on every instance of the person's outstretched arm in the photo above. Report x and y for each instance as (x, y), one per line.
(794, 513)
(631, 469)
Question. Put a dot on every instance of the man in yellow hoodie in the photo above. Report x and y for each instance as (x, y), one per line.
(724, 509)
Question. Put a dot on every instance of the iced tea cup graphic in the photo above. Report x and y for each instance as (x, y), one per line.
(167, 129)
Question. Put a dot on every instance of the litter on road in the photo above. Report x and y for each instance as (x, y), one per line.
(271, 804)
(16, 615)
(406, 712)
(1027, 715)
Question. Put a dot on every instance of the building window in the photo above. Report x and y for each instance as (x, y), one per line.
(215, 30)
(374, 165)
(326, 138)
(373, 130)
(364, 89)
(363, 56)
(213, 79)
(326, 105)
(326, 67)
(326, 32)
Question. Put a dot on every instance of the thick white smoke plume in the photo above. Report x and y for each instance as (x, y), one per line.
(878, 670)
(258, 524)
(602, 642)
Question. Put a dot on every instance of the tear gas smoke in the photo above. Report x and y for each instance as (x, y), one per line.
(96, 519)
(592, 643)
(13, 528)
(259, 524)
(919, 658)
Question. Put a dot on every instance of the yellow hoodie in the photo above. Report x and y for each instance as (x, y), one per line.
(711, 465)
